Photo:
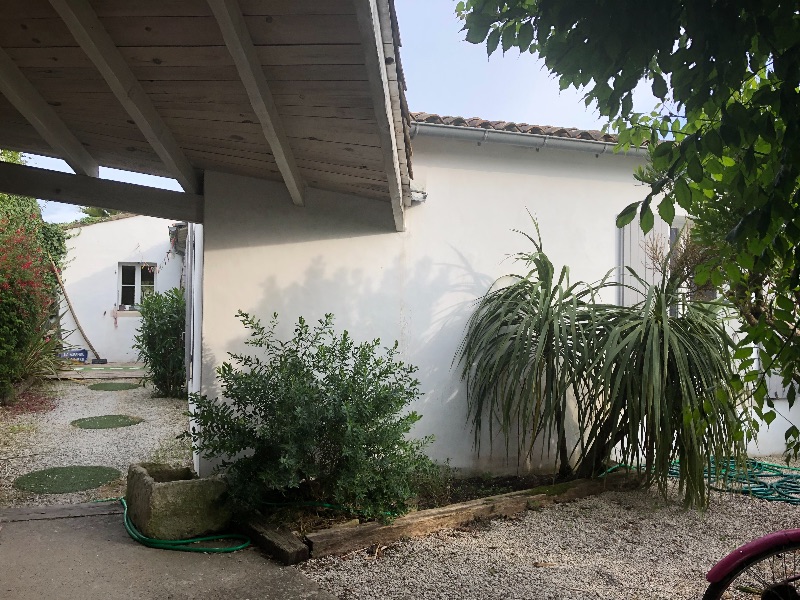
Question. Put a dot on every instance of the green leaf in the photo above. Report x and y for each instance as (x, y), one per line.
(646, 219)
(628, 214)
(492, 41)
(509, 37)
(525, 36)
(666, 210)
(713, 141)
(683, 195)
(477, 28)
(732, 271)
(659, 86)
(695, 169)
(785, 303)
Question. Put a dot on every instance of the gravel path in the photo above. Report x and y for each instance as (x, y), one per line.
(42, 440)
(616, 546)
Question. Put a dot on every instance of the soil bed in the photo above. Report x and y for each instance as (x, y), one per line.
(462, 489)
(290, 513)
(31, 401)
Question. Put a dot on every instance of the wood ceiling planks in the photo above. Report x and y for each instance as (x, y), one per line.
(312, 57)
(180, 8)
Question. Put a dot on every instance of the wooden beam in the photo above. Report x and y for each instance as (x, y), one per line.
(375, 60)
(240, 45)
(90, 34)
(23, 95)
(81, 190)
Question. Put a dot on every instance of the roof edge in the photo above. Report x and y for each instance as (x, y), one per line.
(87, 221)
(516, 138)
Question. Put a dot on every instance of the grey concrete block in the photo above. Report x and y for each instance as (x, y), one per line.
(170, 503)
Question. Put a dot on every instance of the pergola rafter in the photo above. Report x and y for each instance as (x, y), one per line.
(307, 92)
(99, 47)
(24, 97)
(240, 45)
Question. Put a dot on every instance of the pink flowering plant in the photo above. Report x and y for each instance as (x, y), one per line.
(26, 296)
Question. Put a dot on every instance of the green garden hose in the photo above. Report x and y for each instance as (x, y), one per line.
(180, 545)
(763, 480)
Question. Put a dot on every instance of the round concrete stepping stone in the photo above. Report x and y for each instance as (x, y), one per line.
(106, 422)
(64, 480)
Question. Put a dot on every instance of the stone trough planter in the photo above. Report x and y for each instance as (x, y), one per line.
(291, 549)
(171, 503)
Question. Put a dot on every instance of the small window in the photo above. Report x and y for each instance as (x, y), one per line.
(136, 281)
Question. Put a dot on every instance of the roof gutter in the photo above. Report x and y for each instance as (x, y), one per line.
(522, 140)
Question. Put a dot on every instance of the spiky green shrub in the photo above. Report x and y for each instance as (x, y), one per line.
(666, 375)
(40, 357)
(525, 355)
(649, 384)
(317, 418)
(159, 341)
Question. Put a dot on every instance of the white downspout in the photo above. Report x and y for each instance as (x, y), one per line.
(196, 378)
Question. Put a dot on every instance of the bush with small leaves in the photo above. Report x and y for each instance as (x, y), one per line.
(159, 341)
(318, 418)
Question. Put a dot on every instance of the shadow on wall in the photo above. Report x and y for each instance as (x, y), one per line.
(425, 306)
(325, 216)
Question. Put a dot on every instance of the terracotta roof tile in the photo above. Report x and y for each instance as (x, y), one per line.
(475, 122)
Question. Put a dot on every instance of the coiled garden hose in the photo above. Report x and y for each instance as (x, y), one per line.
(763, 480)
(179, 545)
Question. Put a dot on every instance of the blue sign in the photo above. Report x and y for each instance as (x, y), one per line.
(76, 355)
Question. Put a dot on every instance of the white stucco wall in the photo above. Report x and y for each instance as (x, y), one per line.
(771, 440)
(91, 278)
(340, 254)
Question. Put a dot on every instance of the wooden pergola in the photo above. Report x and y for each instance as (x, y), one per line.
(308, 92)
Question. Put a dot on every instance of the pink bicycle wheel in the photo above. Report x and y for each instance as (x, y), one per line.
(771, 575)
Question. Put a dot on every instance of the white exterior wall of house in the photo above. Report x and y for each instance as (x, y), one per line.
(339, 254)
(771, 439)
(92, 280)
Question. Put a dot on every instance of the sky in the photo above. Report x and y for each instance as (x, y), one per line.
(445, 75)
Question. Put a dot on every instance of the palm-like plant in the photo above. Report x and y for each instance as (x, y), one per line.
(649, 384)
(525, 355)
(665, 376)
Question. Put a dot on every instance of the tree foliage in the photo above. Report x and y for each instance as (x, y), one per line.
(25, 212)
(28, 289)
(25, 299)
(724, 143)
(98, 213)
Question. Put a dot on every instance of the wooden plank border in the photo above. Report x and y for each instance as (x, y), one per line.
(70, 511)
(348, 539)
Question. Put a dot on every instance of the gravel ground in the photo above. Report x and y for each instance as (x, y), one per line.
(29, 442)
(615, 546)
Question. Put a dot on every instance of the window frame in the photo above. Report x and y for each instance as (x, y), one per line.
(137, 285)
